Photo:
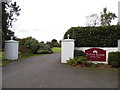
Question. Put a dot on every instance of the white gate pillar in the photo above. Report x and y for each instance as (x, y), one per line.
(119, 45)
(11, 49)
(67, 50)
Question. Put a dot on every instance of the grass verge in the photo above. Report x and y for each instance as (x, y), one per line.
(2, 60)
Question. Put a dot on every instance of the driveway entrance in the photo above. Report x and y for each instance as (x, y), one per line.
(47, 72)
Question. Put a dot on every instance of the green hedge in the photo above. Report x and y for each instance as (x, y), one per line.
(114, 59)
(78, 53)
(106, 36)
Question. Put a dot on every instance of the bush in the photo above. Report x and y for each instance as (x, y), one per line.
(80, 61)
(29, 43)
(114, 59)
(78, 53)
(94, 36)
(44, 49)
(24, 52)
(44, 52)
(72, 62)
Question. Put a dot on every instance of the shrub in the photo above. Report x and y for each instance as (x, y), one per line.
(94, 36)
(78, 53)
(80, 61)
(114, 59)
(24, 52)
(44, 49)
(44, 52)
(72, 62)
(30, 43)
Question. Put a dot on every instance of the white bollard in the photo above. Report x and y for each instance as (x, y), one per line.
(119, 45)
(67, 50)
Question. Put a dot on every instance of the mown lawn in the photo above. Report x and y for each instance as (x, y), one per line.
(56, 49)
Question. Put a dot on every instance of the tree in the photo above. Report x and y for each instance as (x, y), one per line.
(30, 43)
(9, 13)
(42, 42)
(92, 20)
(54, 43)
(49, 44)
(107, 17)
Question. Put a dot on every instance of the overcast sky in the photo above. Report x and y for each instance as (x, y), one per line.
(50, 19)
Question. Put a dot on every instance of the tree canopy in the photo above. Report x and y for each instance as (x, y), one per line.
(107, 17)
(104, 19)
(9, 13)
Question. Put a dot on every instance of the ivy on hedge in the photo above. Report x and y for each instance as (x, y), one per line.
(106, 36)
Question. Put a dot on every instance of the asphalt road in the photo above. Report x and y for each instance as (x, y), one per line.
(47, 72)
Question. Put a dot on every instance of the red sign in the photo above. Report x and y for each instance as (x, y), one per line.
(96, 54)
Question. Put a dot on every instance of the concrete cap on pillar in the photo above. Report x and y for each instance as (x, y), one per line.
(67, 40)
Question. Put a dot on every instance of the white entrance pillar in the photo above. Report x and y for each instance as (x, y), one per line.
(67, 50)
(119, 45)
(11, 49)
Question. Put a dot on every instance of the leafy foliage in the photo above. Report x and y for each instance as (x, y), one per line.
(106, 36)
(78, 53)
(44, 48)
(54, 43)
(80, 61)
(9, 13)
(114, 59)
(107, 17)
(30, 44)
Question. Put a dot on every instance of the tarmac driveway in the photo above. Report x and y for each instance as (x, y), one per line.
(47, 72)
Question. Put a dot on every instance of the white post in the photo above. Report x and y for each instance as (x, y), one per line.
(119, 45)
(119, 12)
(67, 50)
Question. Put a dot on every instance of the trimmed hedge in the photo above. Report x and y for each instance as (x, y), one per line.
(78, 53)
(106, 36)
(114, 59)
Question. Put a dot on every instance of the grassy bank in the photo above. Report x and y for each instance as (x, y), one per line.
(56, 49)
(2, 60)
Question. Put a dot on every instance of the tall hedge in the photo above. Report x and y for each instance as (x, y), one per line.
(114, 59)
(106, 36)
